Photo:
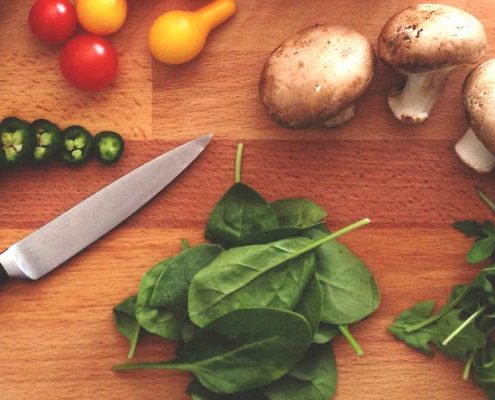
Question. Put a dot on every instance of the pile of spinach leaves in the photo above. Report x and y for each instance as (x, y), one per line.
(463, 328)
(254, 311)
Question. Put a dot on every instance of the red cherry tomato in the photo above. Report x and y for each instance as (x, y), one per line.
(89, 62)
(53, 21)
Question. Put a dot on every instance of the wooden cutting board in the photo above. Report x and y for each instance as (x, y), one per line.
(57, 338)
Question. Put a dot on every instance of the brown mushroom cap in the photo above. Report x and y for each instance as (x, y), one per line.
(479, 101)
(428, 37)
(315, 75)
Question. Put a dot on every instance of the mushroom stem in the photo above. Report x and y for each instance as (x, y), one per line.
(474, 153)
(342, 117)
(413, 103)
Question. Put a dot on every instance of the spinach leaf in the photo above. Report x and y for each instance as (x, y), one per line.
(124, 316)
(468, 341)
(199, 392)
(314, 379)
(325, 333)
(298, 213)
(151, 318)
(259, 275)
(294, 217)
(349, 290)
(242, 350)
(273, 275)
(188, 330)
(243, 217)
(162, 300)
(173, 284)
(310, 304)
(241, 212)
(309, 368)
(271, 235)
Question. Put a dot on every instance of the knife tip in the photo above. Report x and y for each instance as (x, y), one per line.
(205, 140)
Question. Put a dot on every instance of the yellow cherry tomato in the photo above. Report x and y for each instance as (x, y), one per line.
(177, 37)
(101, 17)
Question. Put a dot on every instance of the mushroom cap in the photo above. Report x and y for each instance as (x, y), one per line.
(428, 37)
(478, 95)
(315, 75)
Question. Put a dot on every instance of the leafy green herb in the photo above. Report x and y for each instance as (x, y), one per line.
(242, 350)
(484, 233)
(408, 318)
(481, 250)
(162, 300)
(463, 327)
(484, 371)
(470, 228)
(479, 291)
(315, 378)
(467, 341)
(124, 315)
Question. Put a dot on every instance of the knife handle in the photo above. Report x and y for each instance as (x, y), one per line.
(3, 274)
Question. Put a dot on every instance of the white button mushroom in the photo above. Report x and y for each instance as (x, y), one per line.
(477, 146)
(316, 76)
(425, 43)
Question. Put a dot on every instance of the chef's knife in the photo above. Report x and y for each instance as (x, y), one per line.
(71, 232)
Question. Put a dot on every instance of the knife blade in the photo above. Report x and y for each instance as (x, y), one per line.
(65, 236)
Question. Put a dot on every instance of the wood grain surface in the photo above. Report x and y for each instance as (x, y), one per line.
(57, 339)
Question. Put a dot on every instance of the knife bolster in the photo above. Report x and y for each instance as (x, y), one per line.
(10, 264)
